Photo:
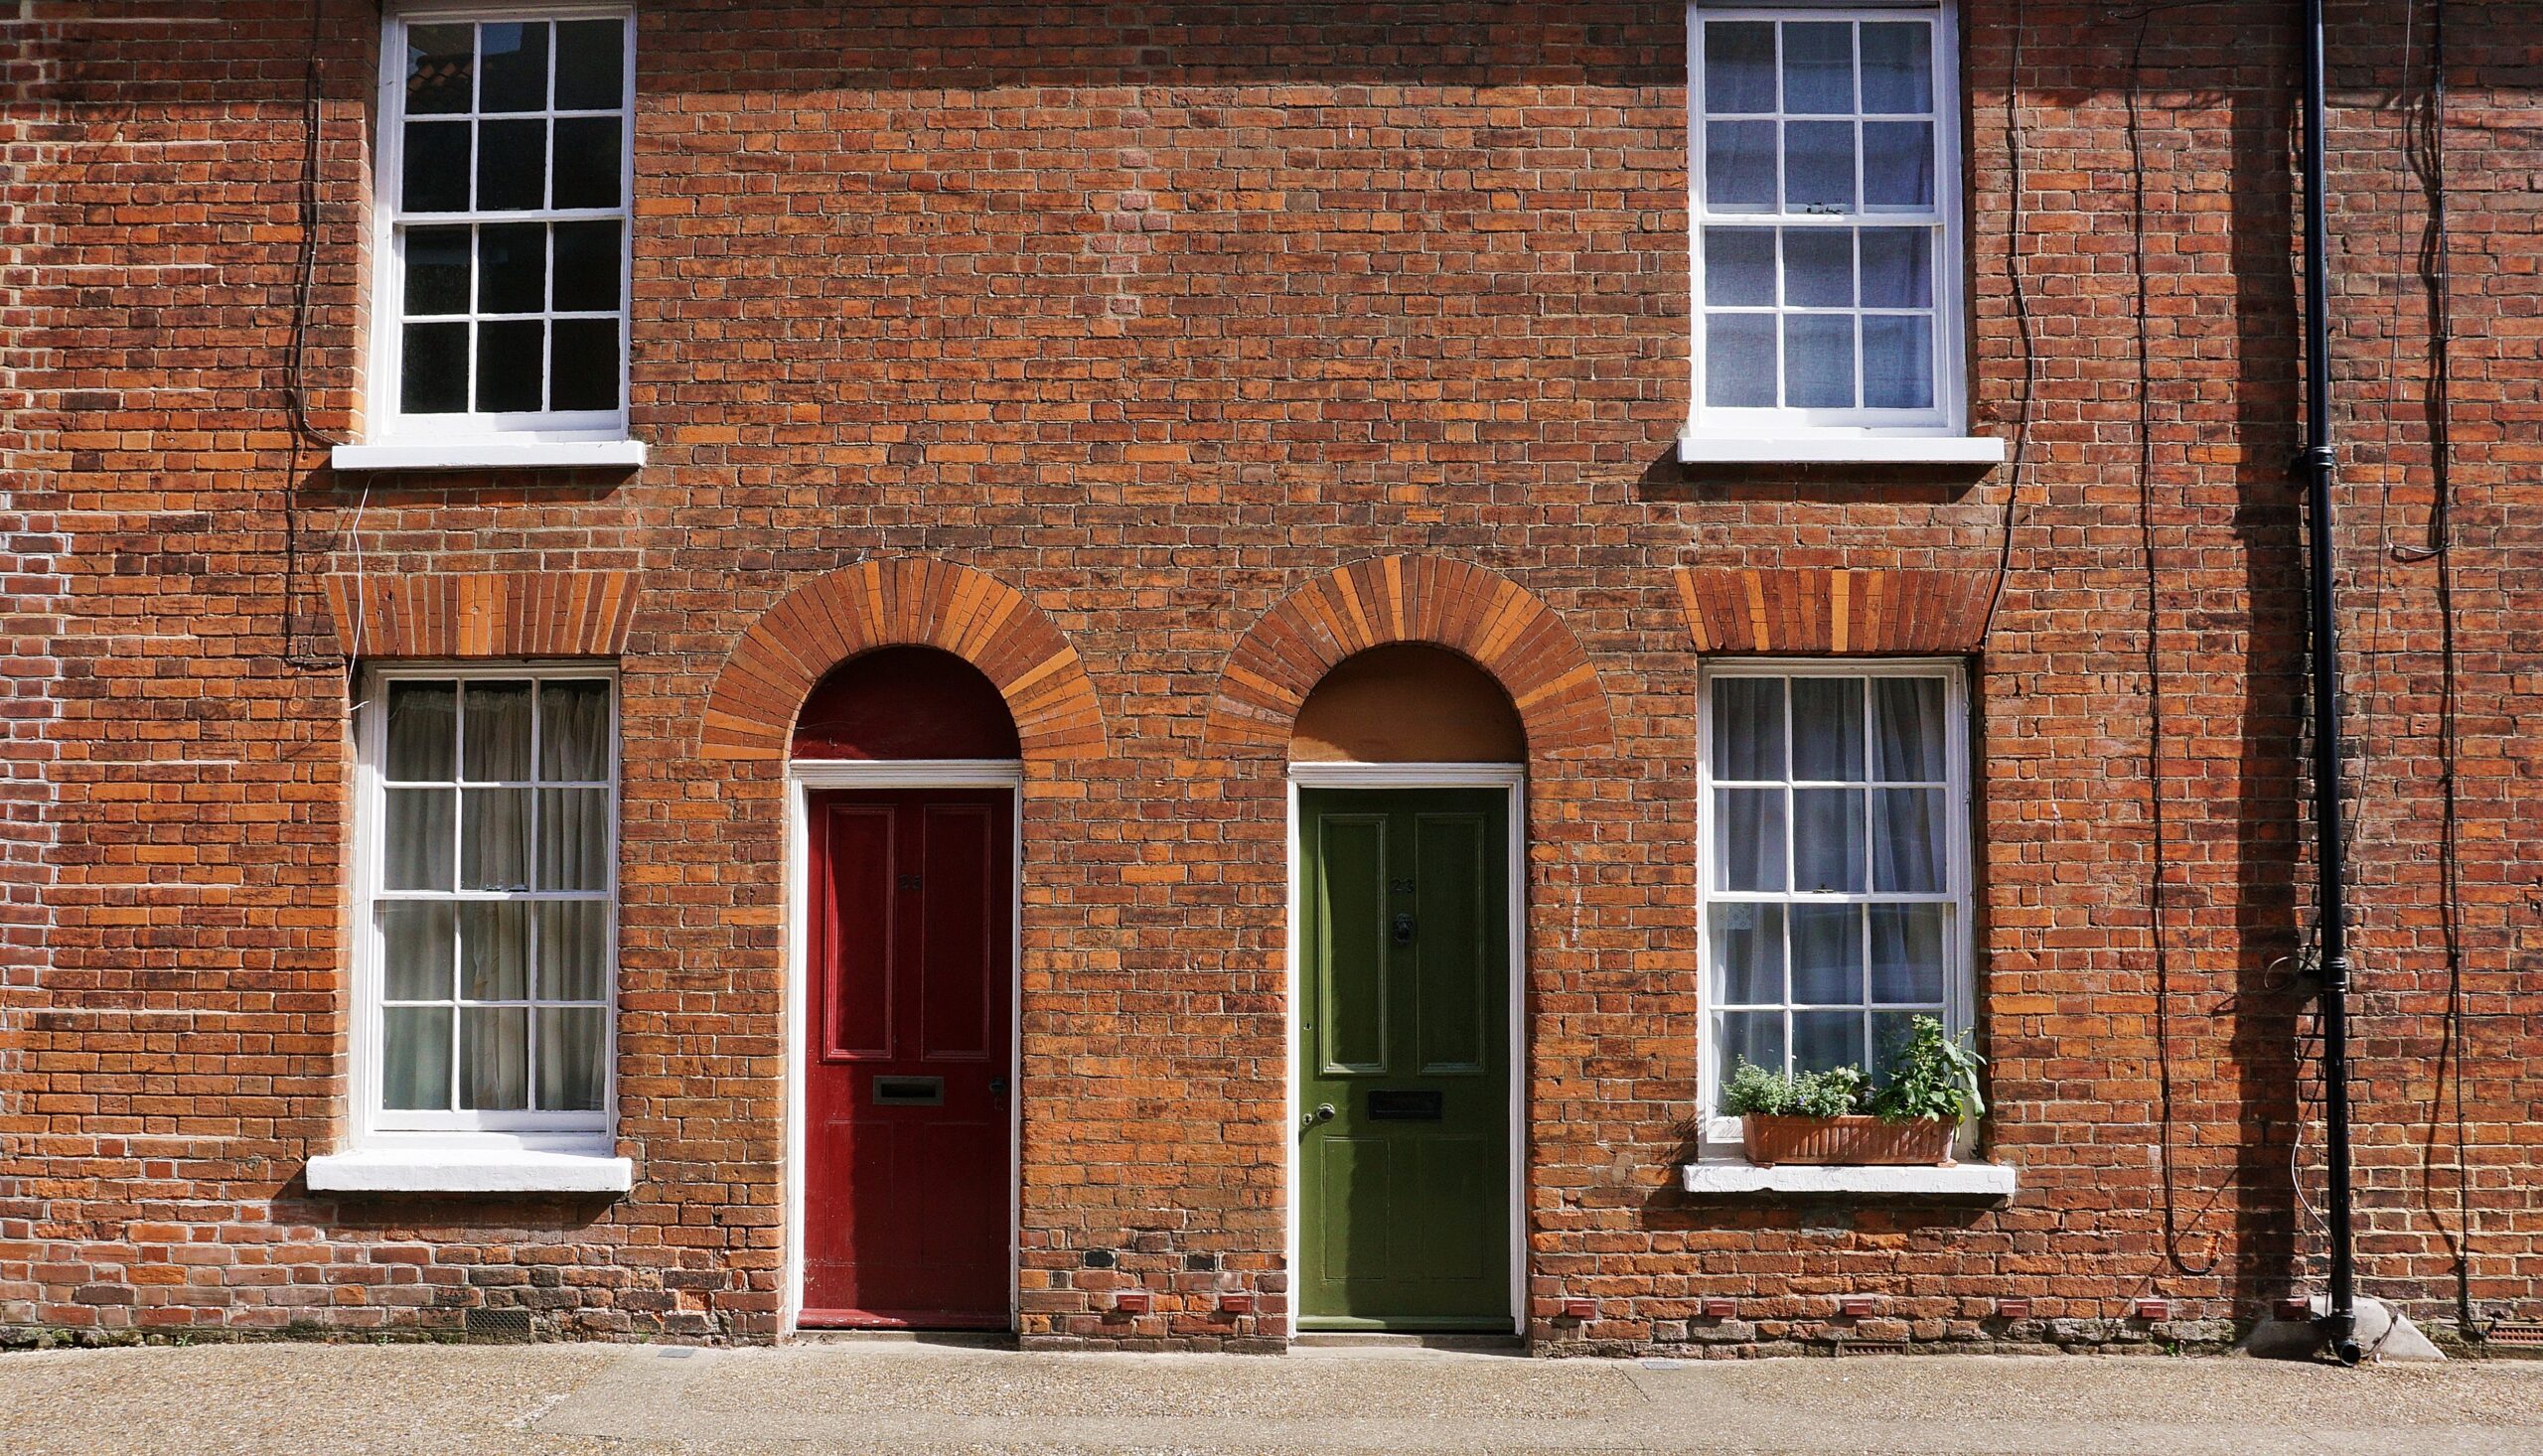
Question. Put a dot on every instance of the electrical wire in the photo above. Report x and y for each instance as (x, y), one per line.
(2158, 922)
(2015, 236)
(303, 430)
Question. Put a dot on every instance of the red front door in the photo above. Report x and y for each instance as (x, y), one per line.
(908, 1176)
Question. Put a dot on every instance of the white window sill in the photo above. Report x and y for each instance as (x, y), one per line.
(1992, 1181)
(493, 455)
(468, 1170)
(1703, 449)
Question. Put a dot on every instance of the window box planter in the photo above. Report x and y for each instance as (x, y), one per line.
(1854, 1140)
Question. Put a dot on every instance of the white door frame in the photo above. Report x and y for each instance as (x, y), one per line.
(1513, 780)
(805, 777)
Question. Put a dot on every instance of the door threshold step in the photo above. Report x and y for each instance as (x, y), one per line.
(1398, 1340)
(955, 1339)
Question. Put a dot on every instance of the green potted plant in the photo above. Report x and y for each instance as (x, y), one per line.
(1838, 1117)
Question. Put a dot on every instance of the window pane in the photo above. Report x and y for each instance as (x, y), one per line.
(1907, 728)
(1819, 67)
(1819, 267)
(1749, 728)
(432, 369)
(583, 366)
(573, 950)
(515, 62)
(512, 268)
(416, 949)
(1899, 164)
(1739, 66)
(573, 840)
(494, 1058)
(1891, 1033)
(590, 66)
(1898, 66)
(421, 732)
(1825, 1039)
(414, 1060)
(1828, 840)
(1819, 166)
(1898, 267)
(498, 737)
(1826, 955)
(495, 852)
(419, 839)
(1907, 841)
(588, 162)
(1748, 843)
(1739, 360)
(1740, 166)
(494, 951)
(571, 1041)
(1747, 953)
(1898, 361)
(1907, 955)
(1819, 360)
(512, 164)
(587, 267)
(440, 74)
(433, 170)
(1754, 1037)
(573, 730)
(1827, 728)
(509, 356)
(437, 270)
(1739, 266)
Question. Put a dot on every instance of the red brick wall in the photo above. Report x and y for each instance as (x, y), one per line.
(1158, 320)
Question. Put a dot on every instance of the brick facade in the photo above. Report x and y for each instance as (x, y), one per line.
(1154, 358)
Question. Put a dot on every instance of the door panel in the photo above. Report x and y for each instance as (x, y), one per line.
(1352, 951)
(1405, 1216)
(908, 1160)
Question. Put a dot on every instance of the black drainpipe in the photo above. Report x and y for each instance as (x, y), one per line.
(2339, 1327)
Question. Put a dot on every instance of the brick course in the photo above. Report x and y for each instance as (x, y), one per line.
(1153, 358)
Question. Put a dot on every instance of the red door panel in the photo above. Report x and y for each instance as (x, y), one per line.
(908, 1164)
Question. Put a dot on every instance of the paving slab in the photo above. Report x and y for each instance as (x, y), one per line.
(587, 1399)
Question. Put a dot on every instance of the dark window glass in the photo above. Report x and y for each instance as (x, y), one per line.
(515, 62)
(584, 371)
(587, 161)
(507, 356)
(434, 174)
(512, 164)
(512, 268)
(437, 270)
(586, 266)
(439, 75)
(432, 377)
(591, 57)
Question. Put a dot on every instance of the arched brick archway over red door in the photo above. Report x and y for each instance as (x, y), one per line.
(1503, 626)
(902, 601)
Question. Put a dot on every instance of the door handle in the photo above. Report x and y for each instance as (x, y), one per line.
(997, 1088)
(1403, 929)
(1323, 1113)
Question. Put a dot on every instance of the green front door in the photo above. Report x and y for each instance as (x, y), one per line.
(1404, 1059)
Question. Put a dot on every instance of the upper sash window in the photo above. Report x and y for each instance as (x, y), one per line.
(504, 180)
(1827, 249)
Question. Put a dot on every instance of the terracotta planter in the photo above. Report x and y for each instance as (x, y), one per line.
(1856, 1140)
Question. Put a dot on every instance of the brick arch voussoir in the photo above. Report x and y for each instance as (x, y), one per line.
(901, 602)
(1503, 626)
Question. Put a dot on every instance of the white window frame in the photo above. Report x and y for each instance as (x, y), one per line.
(390, 430)
(1858, 433)
(1720, 1134)
(584, 1132)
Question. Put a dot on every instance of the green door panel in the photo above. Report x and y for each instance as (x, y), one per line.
(1403, 989)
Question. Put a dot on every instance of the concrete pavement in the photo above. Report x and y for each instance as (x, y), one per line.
(910, 1397)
